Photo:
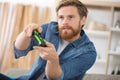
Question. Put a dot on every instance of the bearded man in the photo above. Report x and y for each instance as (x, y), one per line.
(68, 53)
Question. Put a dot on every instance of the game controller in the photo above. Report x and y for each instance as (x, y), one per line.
(37, 36)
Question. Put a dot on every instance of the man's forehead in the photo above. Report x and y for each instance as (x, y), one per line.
(69, 10)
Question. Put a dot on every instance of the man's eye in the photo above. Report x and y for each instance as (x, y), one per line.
(60, 17)
(70, 17)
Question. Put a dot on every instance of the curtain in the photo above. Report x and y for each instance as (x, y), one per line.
(4, 29)
(13, 19)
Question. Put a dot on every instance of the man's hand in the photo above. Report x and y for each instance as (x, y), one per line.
(47, 53)
(29, 29)
(53, 69)
(23, 40)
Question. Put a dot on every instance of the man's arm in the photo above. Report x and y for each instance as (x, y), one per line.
(23, 40)
(24, 43)
(52, 69)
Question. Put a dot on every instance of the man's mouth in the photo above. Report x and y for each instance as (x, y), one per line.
(66, 28)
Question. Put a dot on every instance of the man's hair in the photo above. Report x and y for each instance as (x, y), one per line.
(82, 10)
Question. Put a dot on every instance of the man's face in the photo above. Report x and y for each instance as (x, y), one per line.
(69, 22)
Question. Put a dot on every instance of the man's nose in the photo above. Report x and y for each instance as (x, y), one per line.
(65, 22)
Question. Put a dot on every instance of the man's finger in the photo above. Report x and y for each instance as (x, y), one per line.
(48, 44)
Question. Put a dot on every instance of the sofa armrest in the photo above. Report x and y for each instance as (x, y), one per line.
(15, 72)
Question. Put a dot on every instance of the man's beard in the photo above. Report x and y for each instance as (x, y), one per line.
(66, 35)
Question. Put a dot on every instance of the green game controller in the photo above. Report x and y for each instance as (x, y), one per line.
(37, 36)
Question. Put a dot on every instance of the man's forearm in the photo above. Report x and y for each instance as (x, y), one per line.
(22, 42)
(53, 70)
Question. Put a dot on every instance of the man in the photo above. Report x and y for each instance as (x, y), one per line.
(68, 53)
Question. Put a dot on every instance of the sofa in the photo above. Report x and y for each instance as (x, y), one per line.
(19, 72)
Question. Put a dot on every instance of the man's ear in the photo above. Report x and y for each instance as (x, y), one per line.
(83, 20)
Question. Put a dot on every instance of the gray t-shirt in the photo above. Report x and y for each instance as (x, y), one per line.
(62, 45)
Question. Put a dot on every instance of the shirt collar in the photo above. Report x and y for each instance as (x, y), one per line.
(81, 40)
